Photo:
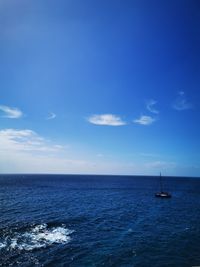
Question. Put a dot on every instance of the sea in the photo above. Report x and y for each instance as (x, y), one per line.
(94, 220)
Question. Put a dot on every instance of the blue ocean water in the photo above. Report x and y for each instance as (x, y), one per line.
(73, 220)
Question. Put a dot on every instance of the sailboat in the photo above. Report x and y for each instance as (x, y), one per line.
(162, 193)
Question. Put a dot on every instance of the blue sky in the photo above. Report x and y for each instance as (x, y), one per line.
(105, 87)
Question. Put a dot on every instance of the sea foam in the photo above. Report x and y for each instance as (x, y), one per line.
(2, 245)
(39, 236)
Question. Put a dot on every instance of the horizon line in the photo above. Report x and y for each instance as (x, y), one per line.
(78, 174)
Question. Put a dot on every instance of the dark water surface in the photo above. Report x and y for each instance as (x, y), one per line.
(69, 220)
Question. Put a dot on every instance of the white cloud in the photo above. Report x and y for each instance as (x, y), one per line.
(26, 151)
(144, 120)
(10, 112)
(25, 140)
(181, 103)
(150, 106)
(106, 119)
(51, 116)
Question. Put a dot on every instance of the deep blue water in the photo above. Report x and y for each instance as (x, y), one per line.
(68, 220)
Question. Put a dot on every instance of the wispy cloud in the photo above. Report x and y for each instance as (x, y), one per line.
(144, 120)
(100, 155)
(10, 112)
(26, 151)
(149, 155)
(51, 116)
(106, 119)
(181, 102)
(150, 106)
(161, 165)
(25, 140)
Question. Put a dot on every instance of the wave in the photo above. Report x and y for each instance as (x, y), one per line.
(2, 245)
(40, 236)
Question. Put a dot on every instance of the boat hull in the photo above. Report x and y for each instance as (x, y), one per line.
(163, 195)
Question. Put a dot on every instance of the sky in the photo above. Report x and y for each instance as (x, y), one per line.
(100, 87)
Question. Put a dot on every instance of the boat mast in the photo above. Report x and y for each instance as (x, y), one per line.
(161, 184)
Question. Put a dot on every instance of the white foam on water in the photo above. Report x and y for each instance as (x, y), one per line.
(39, 237)
(2, 245)
(13, 243)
